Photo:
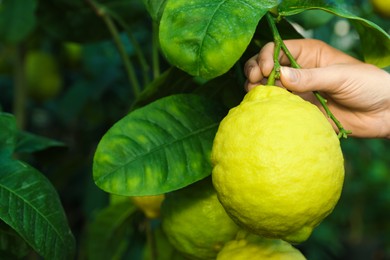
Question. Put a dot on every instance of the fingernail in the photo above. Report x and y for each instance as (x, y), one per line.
(289, 74)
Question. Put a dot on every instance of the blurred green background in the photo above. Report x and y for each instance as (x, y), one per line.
(84, 89)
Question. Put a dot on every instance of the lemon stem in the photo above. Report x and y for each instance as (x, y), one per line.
(279, 45)
(275, 73)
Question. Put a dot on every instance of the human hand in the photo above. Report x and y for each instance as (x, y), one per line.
(357, 93)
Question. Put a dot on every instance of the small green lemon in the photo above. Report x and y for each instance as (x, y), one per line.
(278, 166)
(256, 248)
(43, 75)
(195, 222)
(150, 205)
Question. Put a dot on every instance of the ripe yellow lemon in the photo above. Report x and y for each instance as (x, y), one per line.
(381, 7)
(257, 248)
(195, 222)
(149, 205)
(278, 168)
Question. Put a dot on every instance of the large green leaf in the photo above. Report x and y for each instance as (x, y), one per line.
(17, 19)
(205, 38)
(374, 40)
(31, 206)
(161, 147)
(106, 235)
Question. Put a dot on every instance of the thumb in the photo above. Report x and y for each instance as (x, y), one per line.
(316, 79)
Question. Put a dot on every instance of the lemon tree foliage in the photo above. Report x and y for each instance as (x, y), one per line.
(205, 38)
(374, 40)
(158, 148)
(165, 144)
(29, 204)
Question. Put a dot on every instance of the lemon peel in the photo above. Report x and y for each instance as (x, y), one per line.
(254, 248)
(278, 168)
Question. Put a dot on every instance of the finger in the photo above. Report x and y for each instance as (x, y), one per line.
(249, 64)
(253, 71)
(265, 59)
(249, 86)
(328, 79)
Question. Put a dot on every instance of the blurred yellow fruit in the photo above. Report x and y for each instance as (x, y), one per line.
(150, 205)
(73, 53)
(381, 7)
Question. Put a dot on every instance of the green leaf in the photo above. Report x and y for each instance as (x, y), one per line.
(155, 8)
(17, 19)
(205, 38)
(375, 43)
(161, 147)
(313, 18)
(29, 143)
(7, 135)
(374, 40)
(106, 235)
(31, 206)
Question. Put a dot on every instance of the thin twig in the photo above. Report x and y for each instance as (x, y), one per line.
(138, 51)
(101, 12)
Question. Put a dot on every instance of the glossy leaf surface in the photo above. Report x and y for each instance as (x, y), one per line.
(161, 147)
(206, 38)
(31, 206)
